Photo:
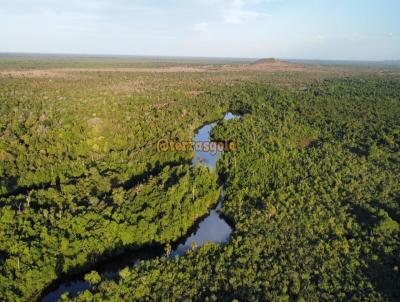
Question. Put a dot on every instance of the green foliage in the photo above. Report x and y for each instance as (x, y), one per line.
(93, 278)
(312, 191)
(313, 194)
(81, 178)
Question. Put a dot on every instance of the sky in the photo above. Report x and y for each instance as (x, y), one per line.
(291, 29)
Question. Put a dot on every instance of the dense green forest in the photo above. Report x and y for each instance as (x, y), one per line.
(313, 190)
(81, 177)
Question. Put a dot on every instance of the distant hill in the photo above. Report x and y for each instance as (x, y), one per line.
(265, 61)
(272, 64)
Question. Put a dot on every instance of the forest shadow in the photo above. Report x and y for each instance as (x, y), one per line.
(380, 270)
(151, 172)
(391, 211)
(357, 150)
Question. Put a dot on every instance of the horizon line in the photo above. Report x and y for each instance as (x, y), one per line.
(149, 56)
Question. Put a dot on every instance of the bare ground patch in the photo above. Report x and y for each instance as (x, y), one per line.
(261, 66)
(65, 72)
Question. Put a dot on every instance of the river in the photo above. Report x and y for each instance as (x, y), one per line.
(212, 228)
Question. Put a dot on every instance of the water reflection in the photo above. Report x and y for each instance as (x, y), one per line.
(203, 134)
(213, 228)
(73, 287)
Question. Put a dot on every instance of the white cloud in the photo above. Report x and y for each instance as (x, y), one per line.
(235, 12)
(201, 27)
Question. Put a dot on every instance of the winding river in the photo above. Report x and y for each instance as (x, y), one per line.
(212, 228)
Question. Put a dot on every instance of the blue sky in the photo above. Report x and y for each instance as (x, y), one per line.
(308, 29)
